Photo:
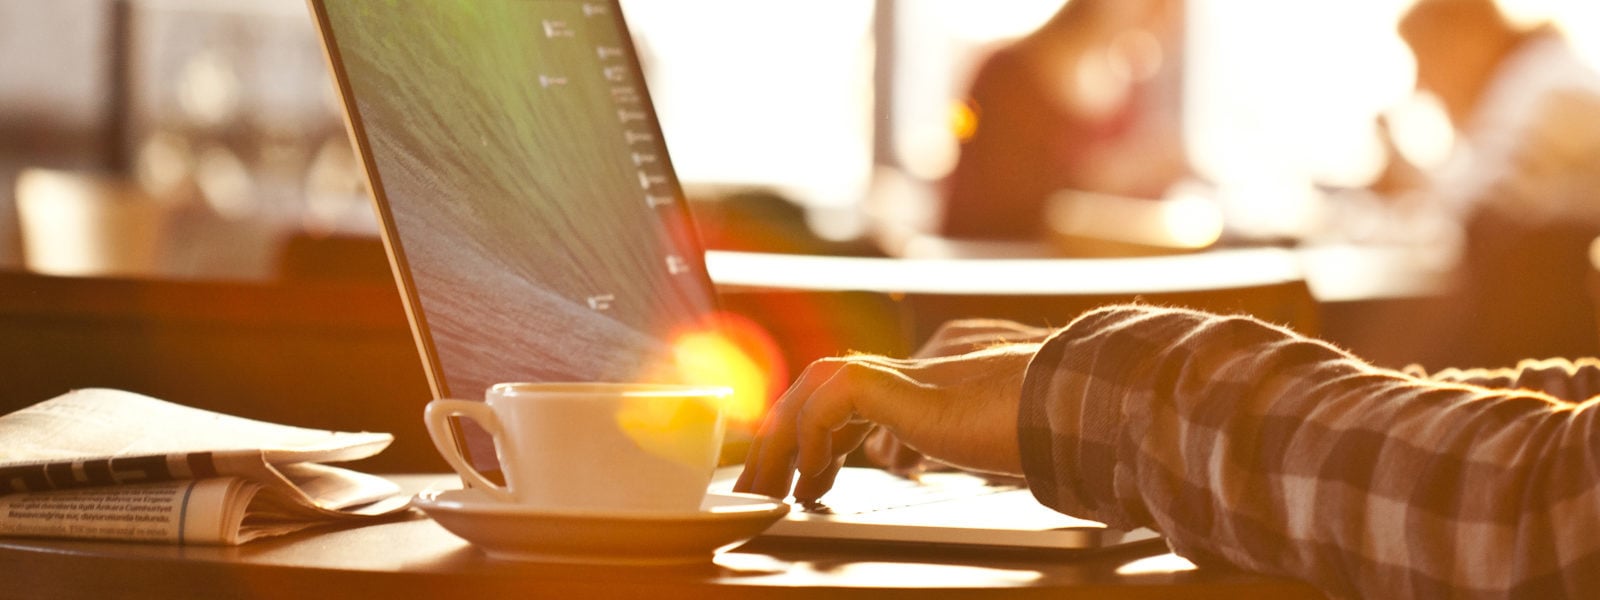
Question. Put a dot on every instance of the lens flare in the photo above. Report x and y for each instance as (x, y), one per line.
(737, 353)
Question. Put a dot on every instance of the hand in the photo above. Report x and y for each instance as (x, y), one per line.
(960, 409)
(953, 338)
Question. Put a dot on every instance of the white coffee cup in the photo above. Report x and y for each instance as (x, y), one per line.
(592, 446)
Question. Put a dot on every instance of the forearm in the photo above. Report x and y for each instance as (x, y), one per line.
(1249, 444)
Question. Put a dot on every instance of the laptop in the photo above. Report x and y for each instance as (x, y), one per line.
(538, 232)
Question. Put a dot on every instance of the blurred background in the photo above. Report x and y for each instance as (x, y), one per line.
(201, 141)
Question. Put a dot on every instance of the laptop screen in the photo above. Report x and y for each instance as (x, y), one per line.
(526, 191)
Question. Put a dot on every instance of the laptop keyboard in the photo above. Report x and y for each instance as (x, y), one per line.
(873, 491)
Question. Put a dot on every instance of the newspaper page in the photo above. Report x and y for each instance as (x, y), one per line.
(110, 464)
(99, 422)
(200, 511)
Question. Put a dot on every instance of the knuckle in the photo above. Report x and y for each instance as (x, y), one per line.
(858, 370)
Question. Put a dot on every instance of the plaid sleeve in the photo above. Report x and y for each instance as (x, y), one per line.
(1247, 444)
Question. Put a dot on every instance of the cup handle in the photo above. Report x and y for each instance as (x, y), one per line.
(437, 416)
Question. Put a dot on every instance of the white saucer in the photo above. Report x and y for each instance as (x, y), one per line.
(513, 532)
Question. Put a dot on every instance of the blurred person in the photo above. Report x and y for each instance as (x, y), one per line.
(1523, 179)
(1243, 443)
(1086, 102)
(1525, 106)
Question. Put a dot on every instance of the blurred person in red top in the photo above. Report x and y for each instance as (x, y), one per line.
(1086, 102)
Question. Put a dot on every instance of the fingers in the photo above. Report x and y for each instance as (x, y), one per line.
(813, 426)
(832, 406)
(997, 327)
(760, 478)
(813, 486)
(960, 409)
(770, 466)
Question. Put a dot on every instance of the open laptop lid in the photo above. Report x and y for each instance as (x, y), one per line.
(528, 205)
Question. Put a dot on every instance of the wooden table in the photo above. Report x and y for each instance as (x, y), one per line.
(414, 558)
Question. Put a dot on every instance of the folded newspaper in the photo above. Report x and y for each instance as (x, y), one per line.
(110, 464)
